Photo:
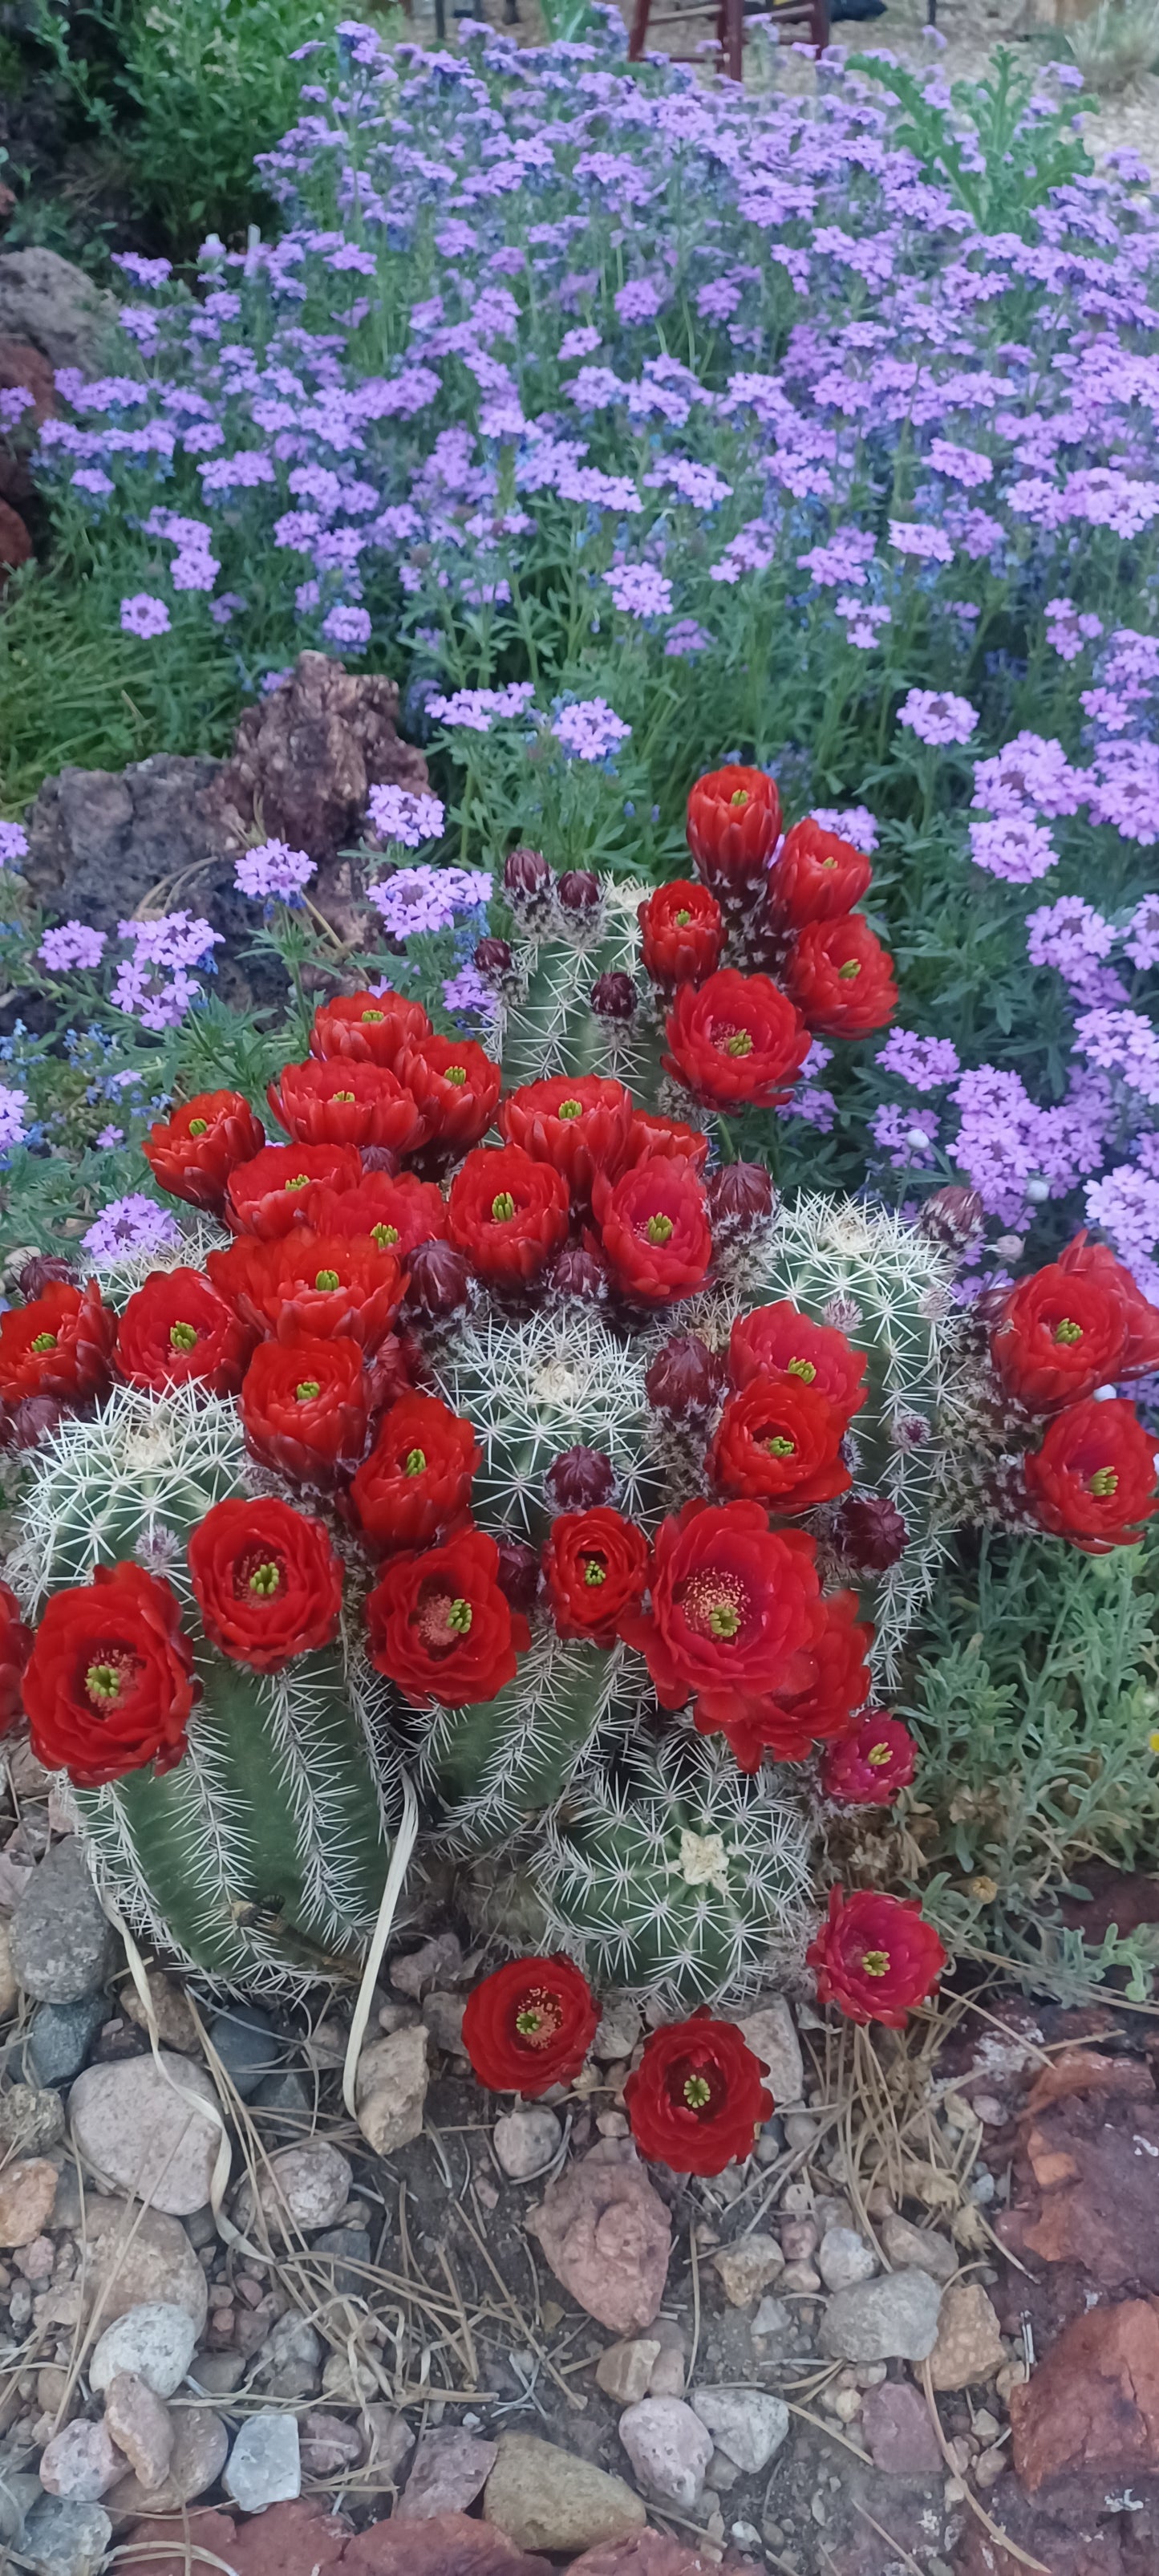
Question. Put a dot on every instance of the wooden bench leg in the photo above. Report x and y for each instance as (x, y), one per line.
(639, 36)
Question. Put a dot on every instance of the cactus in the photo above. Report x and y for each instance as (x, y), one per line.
(491, 1767)
(669, 1873)
(262, 1856)
(548, 1025)
(564, 1378)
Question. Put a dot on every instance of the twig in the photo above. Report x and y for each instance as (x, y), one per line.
(994, 2529)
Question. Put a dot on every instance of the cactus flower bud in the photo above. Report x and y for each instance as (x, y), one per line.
(740, 1198)
(439, 1279)
(579, 891)
(517, 1573)
(614, 997)
(870, 1532)
(579, 1478)
(686, 1380)
(952, 1217)
(576, 1273)
(526, 874)
(493, 960)
(39, 1273)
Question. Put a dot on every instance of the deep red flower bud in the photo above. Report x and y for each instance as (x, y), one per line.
(578, 890)
(735, 1038)
(952, 1217)
(440, 1281)
(686, 1380)
(741, 1198)
(697, 2097)
(526, 874)
(870, 1533)
(577, 1273)
(25, 1424)
(493, 960)
(46, 1270)
(816, 876)
(579, 1478)
(841, 978)
(530, 2026)
(373, 1028)
(734, 824)
(875, 1957)
(517, 1573)
(869, 1766)
(682, 934)
(613, 996)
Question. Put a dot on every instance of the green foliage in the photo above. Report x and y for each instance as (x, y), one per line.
(1004, 166)
(1035, 1704)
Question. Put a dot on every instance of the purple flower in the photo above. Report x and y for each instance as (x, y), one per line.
(425, 898)
(924, 1063)
(398, 815)
(1073, 938)
(686, 637)
(73, 947)
(273, 871)
(1012, 847)
(143, 615)
(131, 1225)
(467, 993)
(851, 823)
(862, 618)
(146, 272)
(817, 1107)
(12, 1107)
(908, 1136)
(638, 301)
(349, 626)
(937, 717)
(478, 709)
(1069, 630)
(580, 343)
(1142, 939)
(639, 590)
(1125, 1202)
(154, 984)
(912, 537)
(962, 464)
(1122, 1042)
(13, 844)
(110, 1136)
(589, 730)
(1030, 774)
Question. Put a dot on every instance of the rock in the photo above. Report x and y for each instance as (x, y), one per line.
(607, 2236)
(899, 2437)
(155, 2549)
(449, 2469)
(245, 2042)
(745, 2424)
(217, 2374)
(8, 1986)
(895, 2317)
(443, 2018)
(545, 2498)
(147, 2134)
(651, 2553)
(305, 759)
(264, 2466)
(618, 2033)
(61, 2037)
(79, 2463)
(350, 2249)
(15, 542)
(419, 1969)
(451, 2545)
(1083, 2177)
(525, 2143)
(624, 2371)
(139, 2258)
(200, 2444)
(669, 2448)
(137, 2422)
(27, 2192)
(297, 2538)
(288, 2093)
(969, 2345)
(327, 2445)
(388, 2439)
(390, 2089)
(301, 2188)
(63, 1946)
(1093, 2404)
(844, 2258)
(289, 2363)
(348, 2379)
(62, 2538)
(666, 2378)
(31, 2120)
(772, 2318)
(176, 2026)
(772, 2036)
(155, 2342)
(746, 2268)
(48, 301)
(917, 2249)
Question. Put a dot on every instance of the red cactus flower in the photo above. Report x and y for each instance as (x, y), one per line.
(268, 1196)
(816, 876)
(1059, 1336)
(530, 2026)
(734, 824)
(682, 934)
(15, 1649)
(304, 1409)
(368, 1028)
(109, 1684)
(417, 1480)
(779, 1341)
(267, 1582)
(735, 1038)
(441, 1627)
(697, 2097)
(1141, 1318)
(1093, 1478)
(58, 1345)
(397, 1211)
(841, 978)
(507, 1213)
(341, 1102)
(193, 1153)
(312, 1285)
(655, 1231)
(596, 1564)
(455, 1086)
(779, 1441)
(868, 1767)
(580, 1124)
(650, 1135)
(816, 1701)
(177, 1331)
(735, 1613)
(875, 1957)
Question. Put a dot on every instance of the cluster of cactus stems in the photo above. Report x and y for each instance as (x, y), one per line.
(581, 1814)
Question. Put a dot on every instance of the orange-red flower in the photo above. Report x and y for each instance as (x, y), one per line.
(697, 2097)
(875, 1957)
(59, 1345)
(109, 1683)
(649, 1135)
(440, 1626)
(417, 1480)
(177, 1330)
(735, 1613)
(312, 1285)
(579, 1123)
(735, 1038)
(841, 978)
(342, 1102)
(1060, 1335)
(655, 1231)
(816, 1701)
(780, 1442)
(596, 1564)
(395, 1209)
(15, 1649)
(507, 1213)
(268, 1196)
(530, 2026)
(869, 1766)
(682, 933)
(266, 1580)
(779, 1341)
(734, 823)
(816, 876)
(193, 1153)
(304, 1408)
(455, 1086)
(1093, 1478)
(1140, 1319)
(368, 1028)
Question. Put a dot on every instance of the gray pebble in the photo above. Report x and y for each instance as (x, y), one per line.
(245, 2043)
(65, 2539)
(892, 2319)
(61, 2037)
(349, 2247)
(62, 1945)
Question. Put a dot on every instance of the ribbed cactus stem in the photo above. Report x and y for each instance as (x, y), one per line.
(550, 1027)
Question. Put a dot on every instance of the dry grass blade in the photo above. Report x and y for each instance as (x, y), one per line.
(996, 2533)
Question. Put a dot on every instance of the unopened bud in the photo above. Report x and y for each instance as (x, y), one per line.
(439, 1280)
(614, 997)
(870, 1532)
(579, 1478)
(378, 1158)
(740, 1198)
(45, 1270)
(526, 874)
(952, 1217)
(685, 1380)
(517, 1573)
(579, 890)
(577, 1273)
(493, 960)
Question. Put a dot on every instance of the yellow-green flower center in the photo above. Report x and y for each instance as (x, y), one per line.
(306, 1390)
(44, 1342)
(594, 1572)
(1068, 1331)
(878, 1755)
(682, 920)
(456, 1074)
(266, 1580)
(327, 1279)
(697, 2093)
(373, 1016)
(384, 1236)
(415, 1462)
(659, 1229)
(103, 1682)
(182, 1337)
(778, 1446)
(739, 796)
(850, 970)
(503, 1207)
(1103, 1483)
(724, 1621)
(803, 1369)
(343, 1096)
(300, 1182)
(875, 1963)
(198, 1126)
(570, 1109)
(740, 1043)
(459, 1617)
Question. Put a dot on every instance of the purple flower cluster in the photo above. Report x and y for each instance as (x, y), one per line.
(589, 730)
(272, 872)
(145, 616)
(937, 717)
(154, 984)
(73, 948)
(398, 814)
(422, 898)
(130, 1225)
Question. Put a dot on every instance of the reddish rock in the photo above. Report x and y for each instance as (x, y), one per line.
(452, 2545)
(607, 2236)
(172, 2543)
(1086, 2070)
(648, 2553)
(15, 542)
(21, 364)
(1085, 2185)
(895, 2426)
(1065, 2550)
(449, 2469)
(288, 2540)
(305, 759)
(1093, 2405)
